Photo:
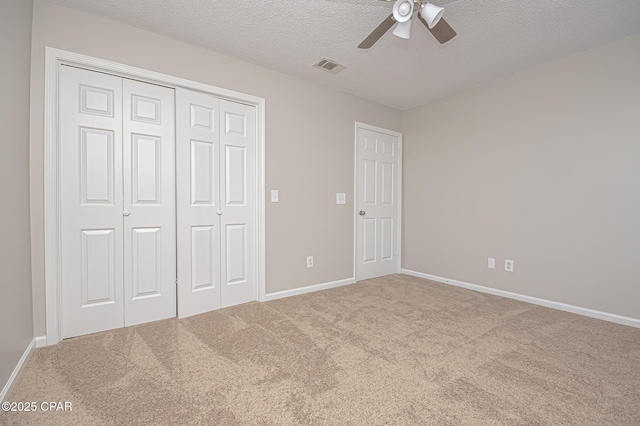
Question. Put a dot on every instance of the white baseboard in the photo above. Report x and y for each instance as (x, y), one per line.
(41, 341)
(309, 289)
(606, 316)
(16, 371)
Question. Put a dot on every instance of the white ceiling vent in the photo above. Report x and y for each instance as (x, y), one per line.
(329, 66)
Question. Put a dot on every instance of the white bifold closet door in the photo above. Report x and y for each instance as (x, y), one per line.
(216, 173)
(117, 202)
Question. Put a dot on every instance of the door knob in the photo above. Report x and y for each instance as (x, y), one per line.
(362, 213)
(126, 213)
(219, 212)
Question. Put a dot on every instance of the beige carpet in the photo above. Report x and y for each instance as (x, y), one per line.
(395, 351)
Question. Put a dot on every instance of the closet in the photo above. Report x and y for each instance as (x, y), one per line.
(216, 164)
(157, 198)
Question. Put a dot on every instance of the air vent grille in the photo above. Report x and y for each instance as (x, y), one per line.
(329, 66)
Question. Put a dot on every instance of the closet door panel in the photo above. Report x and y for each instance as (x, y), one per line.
(149, 202)
(91, 201)
(237, 143)
(199, 207)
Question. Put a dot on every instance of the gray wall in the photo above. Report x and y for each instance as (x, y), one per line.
(16, 324)
(542, 167)
(309, 142)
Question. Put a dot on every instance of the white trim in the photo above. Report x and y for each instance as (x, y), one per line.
(606, 316)
(261, 246)
(395, 134)
(6, 390)
(308, 289)
(399, 228)
(355, 201)
(54, 58)
(41, 341)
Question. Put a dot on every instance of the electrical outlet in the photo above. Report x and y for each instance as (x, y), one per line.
(309, 261)
(491, 264)
(508, 265)
(341, 198)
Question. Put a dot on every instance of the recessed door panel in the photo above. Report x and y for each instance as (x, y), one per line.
(236, 169)
(386, 238)
(387, 183)
(236, 254)
(204, 187)
(370, 144)
(203, 257)
(147, 169)
(146, 110)
(96, 168)
(235, 123)
(96, 100)
(370, 180)
(388, 148)
(147, 262)
(369, 240)
(202, 117)
(98, 267)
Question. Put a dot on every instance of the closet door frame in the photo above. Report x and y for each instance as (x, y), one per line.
(54, 59)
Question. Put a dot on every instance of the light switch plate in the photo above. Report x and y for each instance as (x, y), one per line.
(274, 196)
(341, 198)
(491, 263)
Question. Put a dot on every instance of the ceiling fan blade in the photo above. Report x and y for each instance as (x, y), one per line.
(442, 31)
(377, 33)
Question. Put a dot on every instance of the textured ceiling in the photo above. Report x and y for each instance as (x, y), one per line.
(495, 38)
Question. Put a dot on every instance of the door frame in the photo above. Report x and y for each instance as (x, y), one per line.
(54, 59)
(363, 126)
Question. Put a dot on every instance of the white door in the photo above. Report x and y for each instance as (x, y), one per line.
(198, 179)
(91, 201)
(377, 195)
(238, 196)
(117, 202)
(149, 202)
(216, 168)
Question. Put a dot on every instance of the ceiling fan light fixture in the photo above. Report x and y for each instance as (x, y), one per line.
(403, 10)
(403, 30)
(431, 13)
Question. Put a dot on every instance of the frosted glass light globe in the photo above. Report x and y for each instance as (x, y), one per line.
(404, 8)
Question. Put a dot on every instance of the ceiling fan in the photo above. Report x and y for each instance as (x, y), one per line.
(428, 13)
